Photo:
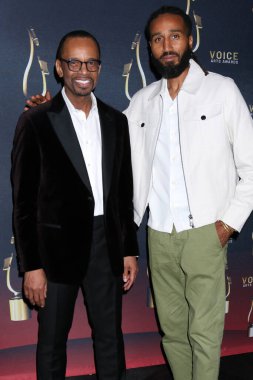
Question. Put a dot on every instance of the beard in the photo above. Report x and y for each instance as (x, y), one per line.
(171, 70)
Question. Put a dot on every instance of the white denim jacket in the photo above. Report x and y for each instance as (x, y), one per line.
(216, 133)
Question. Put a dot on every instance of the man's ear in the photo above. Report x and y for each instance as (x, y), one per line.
(190, 41)
(58, 68)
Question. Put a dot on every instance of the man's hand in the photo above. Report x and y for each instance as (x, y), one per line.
(223, 233)
(35, 100)
(130, 271)
(35, 287)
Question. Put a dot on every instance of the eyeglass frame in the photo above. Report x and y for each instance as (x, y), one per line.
(68, 61)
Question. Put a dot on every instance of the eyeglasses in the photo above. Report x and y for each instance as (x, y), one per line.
(76, 65)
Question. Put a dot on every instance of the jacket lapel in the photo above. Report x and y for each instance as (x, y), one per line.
(62, 124)
(108, 136)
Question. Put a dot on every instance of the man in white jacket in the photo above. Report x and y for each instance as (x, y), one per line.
(192, 155)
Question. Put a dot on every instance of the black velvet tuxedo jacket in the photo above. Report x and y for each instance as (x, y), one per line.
(53, 204)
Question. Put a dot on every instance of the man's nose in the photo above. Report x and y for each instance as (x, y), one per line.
(83, 68)
(167, 44)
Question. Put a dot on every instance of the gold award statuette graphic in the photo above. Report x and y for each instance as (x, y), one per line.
(34, 44)
(19, 311)
(198, 24)
(150, 301)
(229, 282)
(127, 67)
(251, 112)
(250, 321)
(188, 6)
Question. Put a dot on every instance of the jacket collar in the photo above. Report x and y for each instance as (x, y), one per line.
(61, 122)
(194, 78)
(191, 83)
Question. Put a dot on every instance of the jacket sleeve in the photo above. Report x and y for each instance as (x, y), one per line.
(25, 174)
(240, 130)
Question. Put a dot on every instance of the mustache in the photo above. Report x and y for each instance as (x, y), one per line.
(170, 52)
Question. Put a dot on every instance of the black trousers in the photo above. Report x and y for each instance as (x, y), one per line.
(102, 292)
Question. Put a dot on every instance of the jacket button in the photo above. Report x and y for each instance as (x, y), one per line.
(89, 199)
(203, 117)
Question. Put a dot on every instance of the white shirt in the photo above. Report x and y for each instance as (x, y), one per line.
(89, 136)
(168, 202)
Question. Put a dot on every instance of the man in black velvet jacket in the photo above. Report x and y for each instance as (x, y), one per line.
(73, 213)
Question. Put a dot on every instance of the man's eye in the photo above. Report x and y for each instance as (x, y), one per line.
(175, 36)
(74, 62)
(157, 39)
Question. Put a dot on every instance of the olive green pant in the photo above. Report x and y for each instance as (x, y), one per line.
(188, 277)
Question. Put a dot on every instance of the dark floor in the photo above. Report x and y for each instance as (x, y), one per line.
(237, 367)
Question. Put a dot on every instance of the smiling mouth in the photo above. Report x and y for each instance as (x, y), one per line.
(83, 82)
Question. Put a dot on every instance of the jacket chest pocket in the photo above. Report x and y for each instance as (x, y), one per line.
(204, 129)
(137, 130)
(203, 115)
(205, 124)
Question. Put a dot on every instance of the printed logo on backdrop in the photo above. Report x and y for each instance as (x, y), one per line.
(34, 46)
(250, 320)
(247, 281)
(228, 291)
(19, 310)
(135, 48)
(198, 24)
(225, 57)
(135, 60)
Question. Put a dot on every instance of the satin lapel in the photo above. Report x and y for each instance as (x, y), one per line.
(108, 135)
(64, 129)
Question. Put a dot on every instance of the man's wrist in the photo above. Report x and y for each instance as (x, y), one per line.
(226, 227)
